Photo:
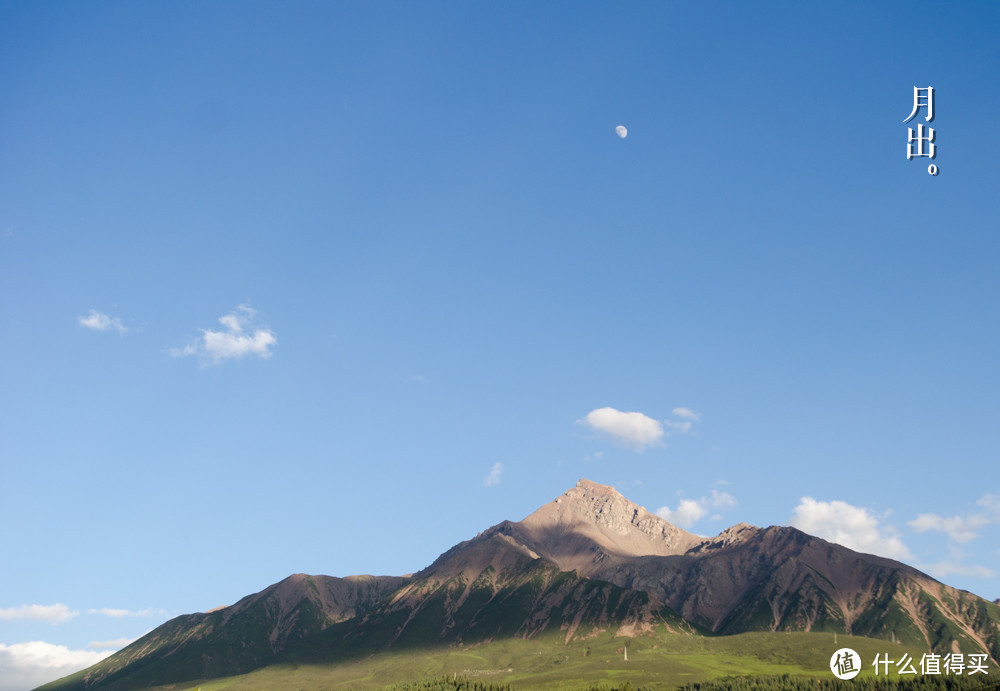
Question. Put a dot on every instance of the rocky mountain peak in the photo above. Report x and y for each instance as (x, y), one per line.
(601, 504)
(591, 522)
(731, 536)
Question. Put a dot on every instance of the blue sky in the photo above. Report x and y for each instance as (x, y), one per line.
(329, 287)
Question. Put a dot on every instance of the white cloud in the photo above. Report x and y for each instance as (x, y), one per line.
(943, 569)
(240, 338)
(690, 511)
(631, 429)
(958, 528)
(119, 613)
(685, 420)
(991, 502)
(27, 665)
(722, 500)
(116, 644)
(685, 515)
(680, 427)
(98, 321)
(53, 614)
(961, 528)
(848, 525)
(494, 477)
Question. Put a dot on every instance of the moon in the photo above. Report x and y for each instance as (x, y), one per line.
(621, 131)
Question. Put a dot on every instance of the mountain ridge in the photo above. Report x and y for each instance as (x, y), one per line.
(589, 561)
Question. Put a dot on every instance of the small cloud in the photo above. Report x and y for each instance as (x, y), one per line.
(116, 644)
(419, 378)
(682, 427)
(53, 614)
(28, 665)
(240, 338)
(119, 613)
(494, 477)
(685, 419)
(690, 511)
(943, 569)
(98, 321)
(851, 526)
(722, 500)
(960, 528)
(991, 502)
(634, 430)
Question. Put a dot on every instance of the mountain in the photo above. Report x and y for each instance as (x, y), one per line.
(753, 579)
(589, 561)
(241, 637)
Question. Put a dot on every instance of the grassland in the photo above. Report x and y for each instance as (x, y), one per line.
(661, 660)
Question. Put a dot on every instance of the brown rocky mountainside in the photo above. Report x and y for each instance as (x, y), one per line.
(751, 579)
(589, 560)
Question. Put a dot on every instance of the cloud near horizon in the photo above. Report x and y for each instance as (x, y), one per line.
(53, 614)
(239, 339)
(116, 644)
(119, 613)
(851, 526)
(943, 569)
(961, 528)
(28, 665)
(690, 511)
(98, 321)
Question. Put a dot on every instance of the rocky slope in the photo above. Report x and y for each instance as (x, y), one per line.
(494, 586)
(753, 579)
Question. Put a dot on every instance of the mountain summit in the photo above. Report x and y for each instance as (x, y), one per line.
(589, 561)
(592, 522)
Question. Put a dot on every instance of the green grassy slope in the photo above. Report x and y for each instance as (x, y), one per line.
(661, 660)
